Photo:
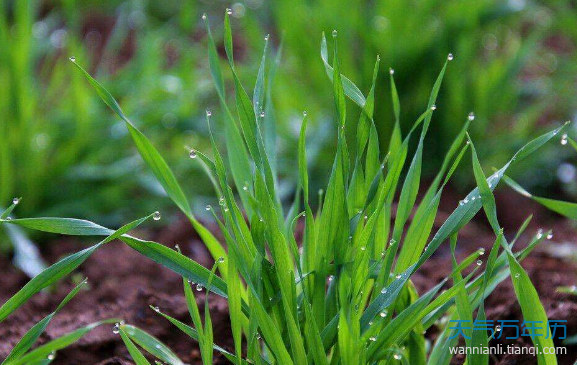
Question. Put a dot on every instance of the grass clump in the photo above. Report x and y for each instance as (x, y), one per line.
(345, 296)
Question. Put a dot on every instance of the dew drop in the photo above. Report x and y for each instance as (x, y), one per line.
(208, 207)
(15, 201)
(539, 233)
(8, 218)
(479, 262)
(517, 275)
(221, 201)
(220, 260)
(383, 314)
(262, 114)
(397, 356)
(564, 139)
(383, 291)
(229, 11)
(156, 309)
(116, 329)
(334, 33)
(450, 57)
(391, 71)
(177, 247)
(204, 16)
(267, 37)
(245, 188)
(461, 202)
(481, 251)
(363, 248)
(52, 355)
(550, 235)
(392, 242)
(398, 276)
(208, 113)
(304, 113)
(498, 328)
(471, 116)
(378, 58)
(370, 323)
(72, 59)
(156, 216)
(192, 154)
(573, 289)
(373, 339)
(433, 107)
(331, 277)
(198, 287)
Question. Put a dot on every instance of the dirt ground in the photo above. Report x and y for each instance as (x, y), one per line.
(123, 284)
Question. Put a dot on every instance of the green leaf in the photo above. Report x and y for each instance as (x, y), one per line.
(41, 353)
(158, 166)
(60, 270)
(567, 209)
(151, 344)
(134, 352)
(34, 333)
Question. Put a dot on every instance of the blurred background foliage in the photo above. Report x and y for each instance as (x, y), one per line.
(66, 154)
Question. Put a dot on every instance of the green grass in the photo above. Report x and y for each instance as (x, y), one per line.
(345, 295)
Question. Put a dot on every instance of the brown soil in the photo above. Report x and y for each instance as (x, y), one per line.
(123, 284)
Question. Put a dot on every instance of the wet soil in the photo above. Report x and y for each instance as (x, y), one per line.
(123, 284)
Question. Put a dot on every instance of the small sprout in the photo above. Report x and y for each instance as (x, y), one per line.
(156, 216)
(192, 154)
(450, 57)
